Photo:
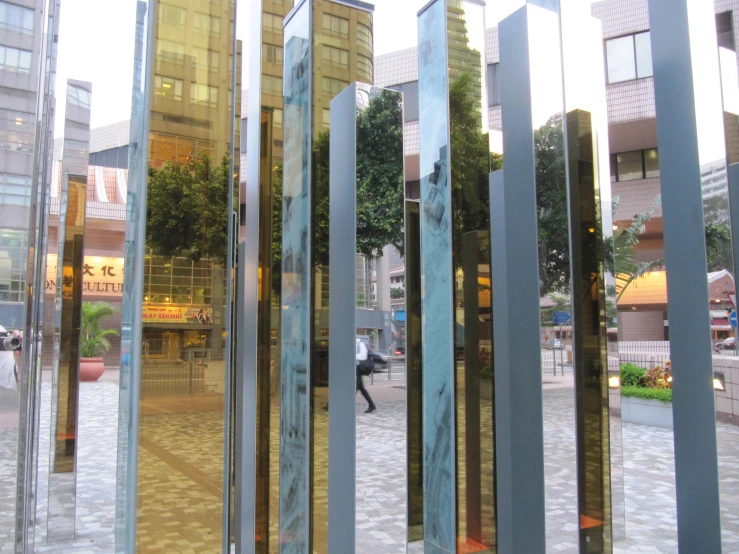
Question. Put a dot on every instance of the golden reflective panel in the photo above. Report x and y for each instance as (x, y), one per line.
(270, 276)
(589, 339)
(471, 163)
(66, 371)
(193, 164)
(414, 372)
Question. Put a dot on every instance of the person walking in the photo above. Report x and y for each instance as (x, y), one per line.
(364, 367)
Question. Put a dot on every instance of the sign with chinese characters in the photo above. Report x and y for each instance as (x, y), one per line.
(102, 276)
(177, 314)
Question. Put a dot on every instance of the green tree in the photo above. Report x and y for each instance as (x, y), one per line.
(379, 181)
(187, 209)
(380, 186)
(551, 203)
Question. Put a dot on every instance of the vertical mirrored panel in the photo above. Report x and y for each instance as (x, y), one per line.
(692, 164)
(184, 115)
(294, 534)
(599, 448)
(341, 53)
(414, 373)
(455, 264)
(324, 45)
(26, 162)
(263, 183)
(366, 221)
(65, 394)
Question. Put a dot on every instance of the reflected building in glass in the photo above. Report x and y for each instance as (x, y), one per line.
(186, 109)
(455, 160)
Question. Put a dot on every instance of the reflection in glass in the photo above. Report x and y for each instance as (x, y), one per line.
(366, 149)
(455, 158)
(304, 325)
(178, 264)
(265, 172)
(68, 315)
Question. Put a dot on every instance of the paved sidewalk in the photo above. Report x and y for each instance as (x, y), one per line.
(648, 460)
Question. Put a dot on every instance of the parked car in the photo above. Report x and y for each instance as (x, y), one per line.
(727, 344)
(399, 350)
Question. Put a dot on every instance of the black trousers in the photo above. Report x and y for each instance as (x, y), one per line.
(360, 388)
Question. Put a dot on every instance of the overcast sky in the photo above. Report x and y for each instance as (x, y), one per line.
(96, 44)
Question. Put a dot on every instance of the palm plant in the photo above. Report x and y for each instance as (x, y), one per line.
(625, 267)
(92, 337)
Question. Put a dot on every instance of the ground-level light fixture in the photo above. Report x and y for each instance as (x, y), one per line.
(614, 379)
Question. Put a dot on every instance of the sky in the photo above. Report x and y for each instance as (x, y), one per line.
(96, 39)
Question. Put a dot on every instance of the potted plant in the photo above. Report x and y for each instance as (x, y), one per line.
(92, 339)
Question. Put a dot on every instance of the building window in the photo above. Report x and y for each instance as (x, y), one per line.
(167, 88)
(725, 30)
(16, 18)
(335, 56)
(364, 36)
(13, 251)
(172, 16)
(15, 189)
(170, 148)
(493, 83)
(271, 84)
(208, 59)
(207, 24)
(78, 96)
(272, 22)
(333, 86)
(326, 118)
(171, 52)
(337, 26)
(639, 164)
(277, 117)
(17, 131)
(177, 280)
(272, 53)
(629, 57)
(365, 68)
(14, 59)
(205, 95)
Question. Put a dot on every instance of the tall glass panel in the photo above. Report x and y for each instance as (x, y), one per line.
(178, 274)
(264, 182)
(313, 75)
(25, 162)
(459, 463)
(65, 394)
(691, 154)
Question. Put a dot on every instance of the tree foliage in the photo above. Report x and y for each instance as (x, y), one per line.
(93, 339)
(379, 181)
(187, 209)
(380, 186)
(551, 202)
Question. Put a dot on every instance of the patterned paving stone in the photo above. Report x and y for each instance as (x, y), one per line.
(648, 463)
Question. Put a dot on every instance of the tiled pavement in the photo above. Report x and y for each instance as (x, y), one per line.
(649, 477)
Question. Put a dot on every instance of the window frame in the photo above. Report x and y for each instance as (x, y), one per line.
(25, 14)
(643, 152)
(635, 59)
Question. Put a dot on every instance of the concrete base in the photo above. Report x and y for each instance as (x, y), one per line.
(646, 412)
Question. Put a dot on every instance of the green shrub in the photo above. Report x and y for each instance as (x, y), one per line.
(664, 395)
(632, 375)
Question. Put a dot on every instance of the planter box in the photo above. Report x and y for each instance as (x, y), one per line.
(646, 412)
